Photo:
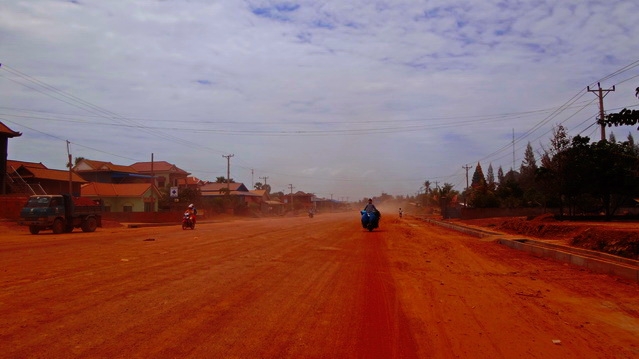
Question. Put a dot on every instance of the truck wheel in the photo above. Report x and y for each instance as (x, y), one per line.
(34, 230)
(58, 226)
(89, 224)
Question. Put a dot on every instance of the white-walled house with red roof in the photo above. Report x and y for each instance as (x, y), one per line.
(124, 197)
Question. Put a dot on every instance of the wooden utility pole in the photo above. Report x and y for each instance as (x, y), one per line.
(70, 170)
(153, 183)
(601, 93)
(228, 173)
(290, 186)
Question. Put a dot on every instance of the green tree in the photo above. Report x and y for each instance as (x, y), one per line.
(551, 176)
(527, 174)
(500, 176)
(509, 192)
(222, 179)
(490, 175)
(481, 194)
(591, 177)
(427, 192)
(624, 117)
(478, 176)
(445, 196)
(76, 161)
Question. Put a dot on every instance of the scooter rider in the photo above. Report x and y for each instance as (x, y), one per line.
(370, 207)
(192, 211)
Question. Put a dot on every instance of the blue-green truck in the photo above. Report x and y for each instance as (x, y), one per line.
(61, 213)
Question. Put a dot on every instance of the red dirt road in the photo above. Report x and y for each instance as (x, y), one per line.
(302, 288)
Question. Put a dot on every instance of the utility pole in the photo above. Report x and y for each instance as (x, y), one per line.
(600, 94)
(466, 167)
(228, 173)
(290, 186)
(70, 170)
(264, 185)
(153, 183)
(513, 169)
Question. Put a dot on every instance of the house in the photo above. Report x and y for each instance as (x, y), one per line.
(239, 190)
(302, 200)
(268, 205)
(190, 182)
(107, 172)
(124, 197)
(165, 174)
(5, 134)
(35, 178)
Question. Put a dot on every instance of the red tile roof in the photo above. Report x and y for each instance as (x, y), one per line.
(107, 166)
(16, 164)
(95, 189)
(190, 181)
(7, 132)
(49, 174)
(158, 166)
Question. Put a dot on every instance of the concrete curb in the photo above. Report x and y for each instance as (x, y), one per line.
(595, 261)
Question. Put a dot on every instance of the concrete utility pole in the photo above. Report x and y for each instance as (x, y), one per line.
(466, 167)
(600, 94)
(264, 178)
(228, 173)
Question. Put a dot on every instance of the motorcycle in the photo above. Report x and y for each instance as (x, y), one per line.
(187, 221)
(370, 220)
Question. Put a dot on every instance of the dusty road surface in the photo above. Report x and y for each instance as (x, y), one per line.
(302, 288)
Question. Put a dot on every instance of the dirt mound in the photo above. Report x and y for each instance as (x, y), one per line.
(618, 242)
(618, 238)
(540, 227)
(546, 217)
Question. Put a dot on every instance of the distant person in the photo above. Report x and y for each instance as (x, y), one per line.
(191, 210)
(400, 212)
(370, 207)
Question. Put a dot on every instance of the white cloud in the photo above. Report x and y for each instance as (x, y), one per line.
(260, 76)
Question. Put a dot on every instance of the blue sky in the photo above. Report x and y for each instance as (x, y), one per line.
(347, 99)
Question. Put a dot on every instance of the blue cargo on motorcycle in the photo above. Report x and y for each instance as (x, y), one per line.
(370, 220)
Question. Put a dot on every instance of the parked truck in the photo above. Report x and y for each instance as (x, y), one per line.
(61, 213)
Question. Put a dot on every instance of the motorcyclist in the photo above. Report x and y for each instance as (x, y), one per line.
(371, 209)
(192, 211)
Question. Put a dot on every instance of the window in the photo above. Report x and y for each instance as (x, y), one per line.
(127, 209)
